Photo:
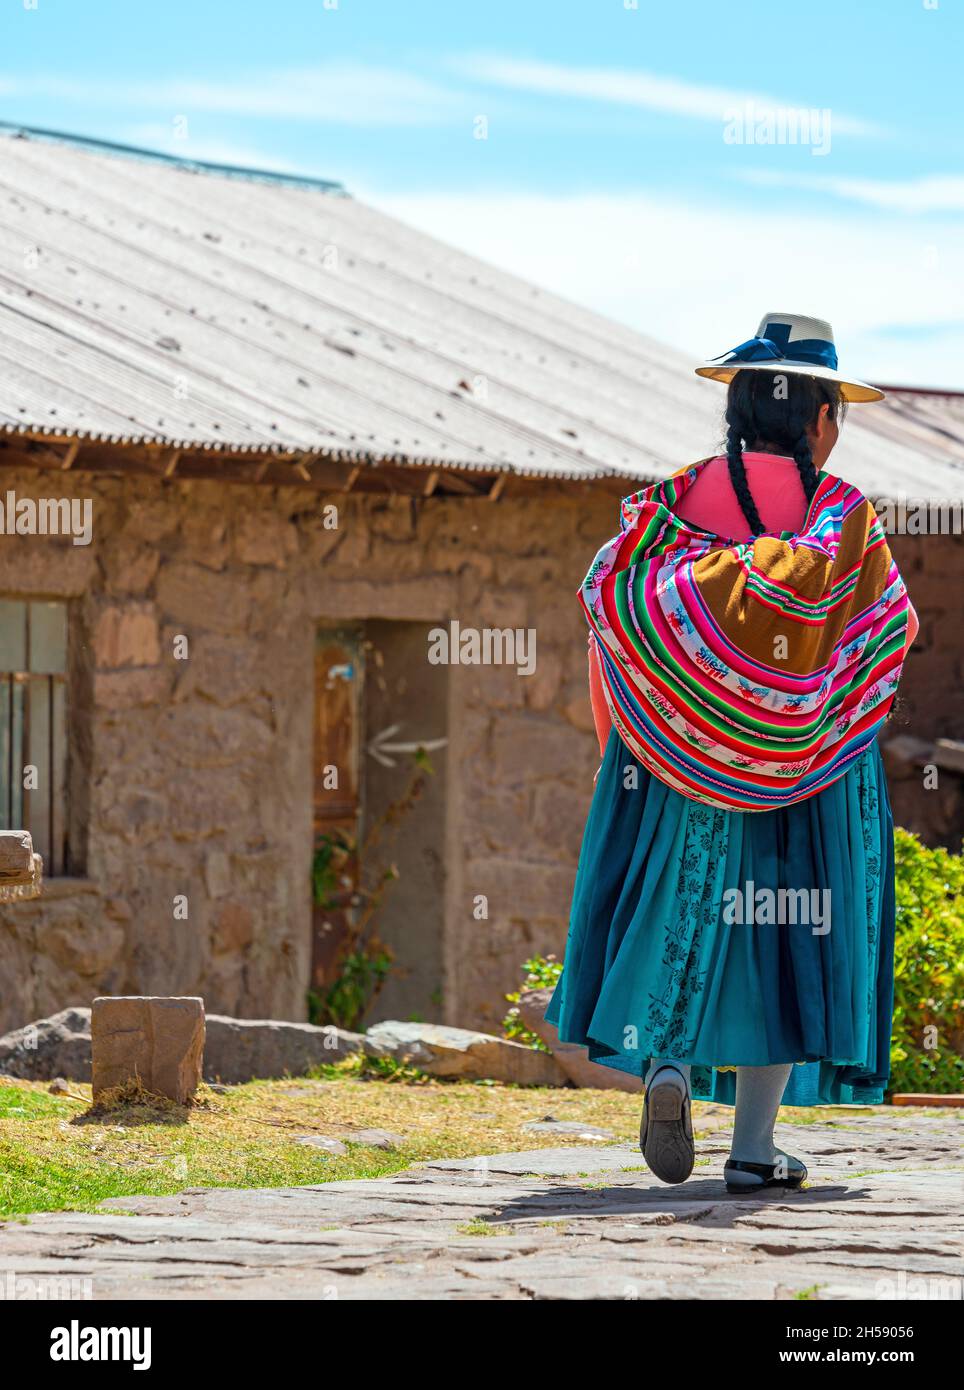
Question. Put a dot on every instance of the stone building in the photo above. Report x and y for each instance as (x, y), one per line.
(260, 445)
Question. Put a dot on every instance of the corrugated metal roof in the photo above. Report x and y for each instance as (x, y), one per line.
(163, 302)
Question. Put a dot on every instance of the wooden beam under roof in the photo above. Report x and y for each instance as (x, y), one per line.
(319, 472)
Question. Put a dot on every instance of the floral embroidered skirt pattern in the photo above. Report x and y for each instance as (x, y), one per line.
(725, 938)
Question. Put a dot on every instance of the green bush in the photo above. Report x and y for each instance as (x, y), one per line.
(928, 1039)
(541, 972)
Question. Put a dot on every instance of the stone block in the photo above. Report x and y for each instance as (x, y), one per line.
(462, 1052)
(578, 712)
(26, 888)
(59, 570)
(518, 889)
(16, 857)
(204, 537)
(494, 687)
(191, 595)
(233, 930)
(393, 520)
(127, 636)
(542, 687)
(949, 753)
(527, 748)
(129, 565)
(229, 670)
(156, 1041)
(80, 940)
(557, 821)
(573, 1059)
(137, 687)
(262, 538)
(905, 756)
(217, 873)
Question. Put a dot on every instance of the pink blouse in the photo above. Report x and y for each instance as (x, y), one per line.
(711, 505)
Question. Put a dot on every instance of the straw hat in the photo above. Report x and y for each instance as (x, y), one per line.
(790, 343)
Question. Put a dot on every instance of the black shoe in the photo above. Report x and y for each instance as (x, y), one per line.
(666, 1130)
(792, 1174)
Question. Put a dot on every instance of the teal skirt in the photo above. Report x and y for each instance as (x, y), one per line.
(724, 938)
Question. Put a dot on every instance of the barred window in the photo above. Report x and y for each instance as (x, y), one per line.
(33, 725)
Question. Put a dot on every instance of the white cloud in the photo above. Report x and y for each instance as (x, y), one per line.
(631, 87)
(700, 277)
(342, 93)
(929, 193)
(362, 94)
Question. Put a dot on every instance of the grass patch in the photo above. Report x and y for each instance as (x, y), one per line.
(57, 1153)
(18, 1103)
(365, 1068)
(479, 1227)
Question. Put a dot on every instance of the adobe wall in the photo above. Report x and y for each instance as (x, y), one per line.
(198, 771)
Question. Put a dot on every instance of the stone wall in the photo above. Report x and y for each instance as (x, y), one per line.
(194, 776)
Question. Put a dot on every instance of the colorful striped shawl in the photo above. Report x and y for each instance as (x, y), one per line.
(747, 675)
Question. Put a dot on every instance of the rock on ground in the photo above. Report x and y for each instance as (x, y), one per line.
(573, 1059)
(51, 1047)
(235, 1049)
(248, 1049)
(881, 1218)
(461, 1052)
(566, 1129)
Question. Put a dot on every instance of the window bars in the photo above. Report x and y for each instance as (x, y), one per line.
(33, 725)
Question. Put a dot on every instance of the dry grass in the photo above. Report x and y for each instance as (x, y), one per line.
(57, 1152)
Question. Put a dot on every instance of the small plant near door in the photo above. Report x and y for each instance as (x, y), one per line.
(541, 972)
(363, 962)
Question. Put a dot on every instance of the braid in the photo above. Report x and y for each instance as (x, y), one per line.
(805, 466)
(734, 457)
(760, 416)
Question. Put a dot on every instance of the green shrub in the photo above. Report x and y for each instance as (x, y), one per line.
(928, 1039)
(541, 972)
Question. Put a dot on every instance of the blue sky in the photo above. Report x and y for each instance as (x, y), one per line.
(612, 169)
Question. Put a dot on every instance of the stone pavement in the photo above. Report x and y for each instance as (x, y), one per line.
(882, 1217)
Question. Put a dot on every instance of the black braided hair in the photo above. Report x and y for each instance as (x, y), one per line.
(805, 466)
(741, 486)
(761, 417)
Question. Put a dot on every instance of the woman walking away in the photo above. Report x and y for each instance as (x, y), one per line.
(732, 928)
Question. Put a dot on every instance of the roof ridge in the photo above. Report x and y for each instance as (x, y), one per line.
(20, 131)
